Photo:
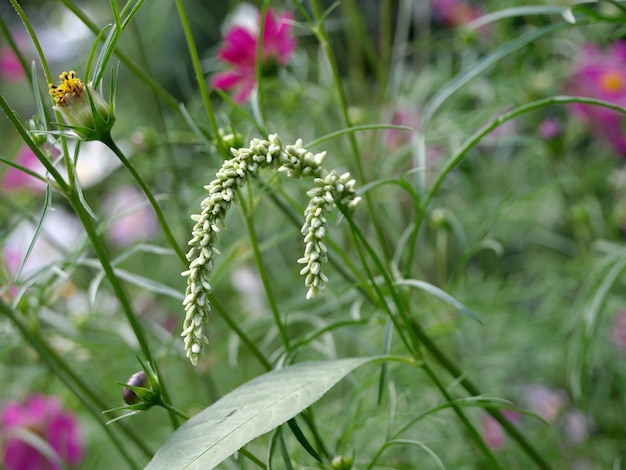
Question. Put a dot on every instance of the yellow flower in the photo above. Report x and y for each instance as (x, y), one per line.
(83, 109)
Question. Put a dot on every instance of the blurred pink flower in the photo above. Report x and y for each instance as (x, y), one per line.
(239, 53)
(577, 427)
(602, 75)
(10, 67)
(550, 128)
(619, 330)
(16, 179)
(42, 417)
(546, 402)
(134, 218)
(493, 434)
(454, 12)
(395, 138)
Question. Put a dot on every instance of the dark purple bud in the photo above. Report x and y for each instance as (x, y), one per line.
(138, 379)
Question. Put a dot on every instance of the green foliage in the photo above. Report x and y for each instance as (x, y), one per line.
(466, 208)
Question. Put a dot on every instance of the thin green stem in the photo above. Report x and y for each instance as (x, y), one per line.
(146, 190)
(322, 37)
(419, 338)
(197, 67)
(222, 312)
(61, 372)
(48, 75)
(253, 458)
(267, 285)
(127, 61)
(474, 434)
(175, 410)
(105, 260)
(456, 373)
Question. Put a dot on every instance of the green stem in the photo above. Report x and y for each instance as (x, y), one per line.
(197, 67)
(127, 61)
(322, 37)
(122, 296)
(222, 312)
(175, 410)
(456, 373)
(54, 364)
(267, 285)
(146, 190)
(419, 337)
(253, 458)
(474, 434)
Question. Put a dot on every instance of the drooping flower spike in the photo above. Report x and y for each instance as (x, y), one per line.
(296, 161)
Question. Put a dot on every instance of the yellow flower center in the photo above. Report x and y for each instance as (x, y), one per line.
(611, 82)
(70, 84)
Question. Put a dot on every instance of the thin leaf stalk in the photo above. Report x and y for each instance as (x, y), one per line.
(105, 260)
(322, 36)
(63, 372)
(267, 285)
(197, 67)
(419, 338)
(146, 190)
(471, 429)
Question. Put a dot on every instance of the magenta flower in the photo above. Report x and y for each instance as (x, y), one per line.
(550, 128)
(492, 431)
(545, 402)
(239, 53)
(602, 75)
(16, 179)
(10, 66)
(454, 12)
(43, 418)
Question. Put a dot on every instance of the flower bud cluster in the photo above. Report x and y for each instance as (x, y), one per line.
(296, 161)
(327, 191)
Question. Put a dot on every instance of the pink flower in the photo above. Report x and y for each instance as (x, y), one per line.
(550, 128)
(135, 220)
(545, 402)
(602, 75)
(39, 417)
(10, 67)
(619, 331)
(16, 179)
(239, 52)
(493, 434)
(454, 12)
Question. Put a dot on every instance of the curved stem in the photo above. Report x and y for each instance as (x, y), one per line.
(221, 311)
(197, 67)
(56, 365)
(474, 434)
(419, 338)
(120, 293)
(322, 37)
(146, 190)
(267, 285)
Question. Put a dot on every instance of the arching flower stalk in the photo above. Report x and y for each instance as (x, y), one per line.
(296, 161)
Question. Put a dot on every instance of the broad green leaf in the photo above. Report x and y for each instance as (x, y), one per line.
(249, 411)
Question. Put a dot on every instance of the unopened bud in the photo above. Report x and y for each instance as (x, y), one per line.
(138, 379)
(341, 462)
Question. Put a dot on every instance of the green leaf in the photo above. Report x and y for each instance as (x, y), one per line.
(249, 411)
(437, 292)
